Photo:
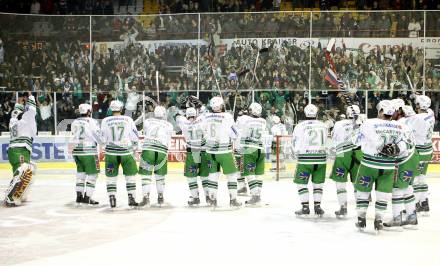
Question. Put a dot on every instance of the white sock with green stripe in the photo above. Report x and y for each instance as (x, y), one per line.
(130, 183)
(259, 183)
(341, 191)
(410, 200)
(90, 184)
(111, 185)
(193, 186)
(146, 184)
(317, 193)
(398, 200)
(80, 182)
(381, 204)
(303, 192)
(241, 182)
(418, 187)
(423, 188)
(232, 185)
(213, 184)
(253, 185)
(205, 184)
(160, 183)
(362, 203)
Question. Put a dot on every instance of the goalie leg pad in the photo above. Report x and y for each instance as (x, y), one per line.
(19, 185)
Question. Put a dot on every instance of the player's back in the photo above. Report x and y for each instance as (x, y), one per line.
(342, 135)
(157, 135)
(279, 130)
(424, 126)
(218, 130)
(309, 142)
(192, 131)
(120, 134)
(23, 131)
(85, 136)
(251, 131)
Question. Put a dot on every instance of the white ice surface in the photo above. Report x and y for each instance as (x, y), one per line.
(49, 230)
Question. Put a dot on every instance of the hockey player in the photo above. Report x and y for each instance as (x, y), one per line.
(251, 133)
(346, 161)
(23, 129)
(403, 195)
(86, 134)
(121, 139)
(196, 160)
(309, 143)
(382, 141)
(219, 131)
(241, 180)
(154, 158)
(424, 123)
(278, 129)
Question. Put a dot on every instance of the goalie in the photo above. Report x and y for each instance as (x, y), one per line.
(23, 129)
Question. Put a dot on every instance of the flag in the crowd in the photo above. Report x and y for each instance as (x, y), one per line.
(332, 78)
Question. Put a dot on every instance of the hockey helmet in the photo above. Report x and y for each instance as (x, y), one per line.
(255, 109)
(311, 111)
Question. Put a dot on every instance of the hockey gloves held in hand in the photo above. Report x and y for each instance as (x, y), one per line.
(390, 150)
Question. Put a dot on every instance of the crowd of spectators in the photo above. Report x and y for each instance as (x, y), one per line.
(52, 59)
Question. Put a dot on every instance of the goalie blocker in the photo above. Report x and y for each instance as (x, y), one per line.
(20, 185)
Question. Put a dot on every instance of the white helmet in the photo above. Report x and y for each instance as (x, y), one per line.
(387, 107)
(408, 110)
(84, 108)
(216, 104)
(160, 112)
(116, 106)
(311, 110)
(398, 103)
(255, 109)
(276, 119)
(423, 101)
(190, 112)
(353, 110)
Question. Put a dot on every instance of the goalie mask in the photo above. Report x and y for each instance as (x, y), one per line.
(255, 109)
(311, 111)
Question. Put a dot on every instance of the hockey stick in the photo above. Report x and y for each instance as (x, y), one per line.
(241, 74)
(157, 86)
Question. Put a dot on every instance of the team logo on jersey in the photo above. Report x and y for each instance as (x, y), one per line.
(192, 169)
(340, 171)
(303, 175)
(407, 175)
(251, 167)
(110, 168)
(365, 181)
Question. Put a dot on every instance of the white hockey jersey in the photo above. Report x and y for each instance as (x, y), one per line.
(193, 132)
(251, 131)
(23, 131)
(86, 135)
(373, 135)
(424, 125)
(157, 135)
(342, 136)
(278, 130)
(409, 138)
(310, 142)
(219, 131)
(119, 134)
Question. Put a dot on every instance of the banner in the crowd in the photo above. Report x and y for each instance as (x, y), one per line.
(432, 44)
(57, 149)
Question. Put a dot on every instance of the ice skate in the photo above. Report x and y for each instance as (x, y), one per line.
(361, 223)
(79, 197)
(145, 201)
(160, 199)
(208, 200)
(254, 201)
(419, 207)
(234, 203)
(411, 221)
(319, 212)
(87, 200)
(395, 223)
(131, 201)
(112, 200)
(342, 212)
(424, 208)
(193, 201)
(378, 225)
(305, 210)
(9, 202)
(242, 191)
